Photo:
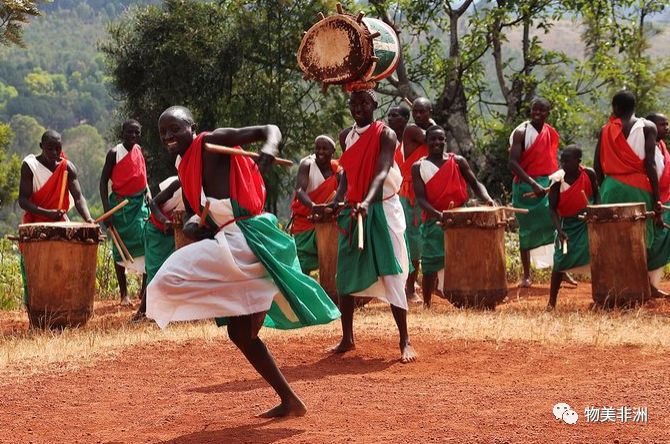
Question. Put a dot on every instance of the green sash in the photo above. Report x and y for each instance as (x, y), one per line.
(129, 221)
(613, 191)
(578, 245)
(535, 228)
(432, 255)
(305, 243)
(659, 253)
(158, 246)
(413, 230)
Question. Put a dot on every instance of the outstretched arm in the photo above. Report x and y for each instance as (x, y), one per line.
(270, 134)
(75, 189)
(420, 192)
(478, 187)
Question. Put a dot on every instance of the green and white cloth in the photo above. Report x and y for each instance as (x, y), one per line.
(536, 229)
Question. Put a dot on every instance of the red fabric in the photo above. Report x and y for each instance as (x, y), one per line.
(47, 196)
(154, 220)
(324, 193)
(359, 161)
(246, 183)
(447, 185)
(407, 188)
(541, 158)
(571, 201)
(664, 180)
(129, 176)
(618, 159)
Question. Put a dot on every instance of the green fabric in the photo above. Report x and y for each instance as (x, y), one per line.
(129, 221)
(578, 245)
(24, 279)
(158, 246)
(276, 251)
(535, 228)
(613, 191)
(358, 270)
(659, 253)
(432, 254)
(413, 228)
(305, 243)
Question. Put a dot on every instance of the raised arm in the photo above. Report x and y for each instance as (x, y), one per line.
(270, 134)
(75, 189)
(26, 190)
(477, 187)
(420, 192)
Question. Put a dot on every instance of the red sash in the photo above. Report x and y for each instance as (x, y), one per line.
(664, 180)
(619, 160)
(47, 196)
(324, 193)
(407, 188)
(571, 201)
(541, 158)
(246, 183)
(447, 185)
(129, 176)
(359, 162)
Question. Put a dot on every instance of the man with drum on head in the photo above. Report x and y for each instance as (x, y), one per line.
(242, 267)
(316, 184)
(575, 188)
(125, 168)
(626, 166)
(440, 182)
(533, 156)
(47, 180)
(412, 149)
(369, 184)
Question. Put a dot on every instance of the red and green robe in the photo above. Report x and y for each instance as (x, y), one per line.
(408, 198)
(129, 181)
(380, 269)
(445, 187)
(250, 266)
(571, 202)
(320, 191)
(539, 159)
(658, 254)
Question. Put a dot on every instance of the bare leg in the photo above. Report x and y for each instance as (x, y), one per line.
(123, 284)
(428, 287)
(410, 290)
(140, 314)
(407, 353)
(556, 278)
(243, 331)
(347, 305)
(525, 262)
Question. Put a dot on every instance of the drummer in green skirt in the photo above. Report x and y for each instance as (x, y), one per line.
(567, 199)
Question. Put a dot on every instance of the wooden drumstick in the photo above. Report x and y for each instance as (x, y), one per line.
(63, 187)
(123, 246)
(407, 101)
(451, 204)
(665, 207)
(205, 213)
(516, 210)
(120, 205)
(532, 193)
(234, 151)
(586, 198)
(565, 247)
(118, 247)
(359, 220)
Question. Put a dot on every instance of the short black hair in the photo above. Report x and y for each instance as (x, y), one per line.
(434, 128)
(573, 150)
(624, 100)
(540, 101)
(181, 112)
(49, 135)
(403, 110)
(129, 122)
(655, 117)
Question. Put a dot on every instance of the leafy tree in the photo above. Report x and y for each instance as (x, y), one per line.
(27, 134)
(13, 15)
(9, 168)
(86, 148)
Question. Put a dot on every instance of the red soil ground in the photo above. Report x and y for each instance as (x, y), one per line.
(459, 391)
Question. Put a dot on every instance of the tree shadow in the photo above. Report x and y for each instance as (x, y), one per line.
(248, 433)
(330, 365)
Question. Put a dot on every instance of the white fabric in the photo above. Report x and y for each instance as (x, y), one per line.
(175, 202)
(315, 176)
(121, 152)
(217, 277)
(636, 141)
(390, 288)
(428, 169)
(41, 175)
(659, 160)
(542, 257)
(531, 134)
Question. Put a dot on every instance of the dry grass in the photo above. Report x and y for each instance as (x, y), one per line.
(27, 352)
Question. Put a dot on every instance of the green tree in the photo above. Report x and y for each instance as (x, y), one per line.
(86, 148)
(13, 15)
(27, 135)
(9, 168)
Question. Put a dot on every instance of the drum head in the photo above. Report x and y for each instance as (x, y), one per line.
(335, 50)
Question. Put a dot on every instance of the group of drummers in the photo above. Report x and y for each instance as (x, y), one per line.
(386, 199)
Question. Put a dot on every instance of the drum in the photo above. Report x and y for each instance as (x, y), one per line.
(618, 254)
(60, 262)
(180, 239)
(343, 48)
(326, 246)
(474, 259)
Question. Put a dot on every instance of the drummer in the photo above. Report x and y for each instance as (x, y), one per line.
(533, 156)
(369, 184)
(413, 148)
(568, 196)
(625, 163)
(440, 182)
(125, 167)
(316, 184)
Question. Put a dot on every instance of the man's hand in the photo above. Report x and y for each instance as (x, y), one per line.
(194, 231)
(54, 214)
(90, 220)
(168, 227)
(562, 236)
(361, 208)
(490, 203)
(539, 191)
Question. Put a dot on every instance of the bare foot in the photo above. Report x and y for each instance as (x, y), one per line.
(285, 409)
(407, 354)
(525, 283)
(657, 293)
(138, 318)
(567, 278)
(414, 298)
(125, 302)
(549, 308)
(342, 347)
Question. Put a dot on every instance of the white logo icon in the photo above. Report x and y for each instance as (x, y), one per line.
(563, 412)
(570, 417)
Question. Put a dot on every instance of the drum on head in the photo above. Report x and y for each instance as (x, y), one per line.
(474, 256)
(60, 262)
(618, 254)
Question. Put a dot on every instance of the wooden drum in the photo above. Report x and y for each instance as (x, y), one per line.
(180, 239)
(618, 254)
(326, 246)
(60, 262)
(474, 260)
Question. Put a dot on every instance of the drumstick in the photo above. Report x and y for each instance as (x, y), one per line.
(407, 101)
(120, 205)
(123, 246)
(665, 207)
(565, 247)
(118, 247)
(586, 198)
(63, 187)
(516, 210)
(230, 151)
(360, 231)
(205, 213)
(532, 193)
